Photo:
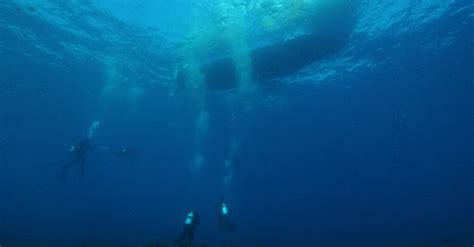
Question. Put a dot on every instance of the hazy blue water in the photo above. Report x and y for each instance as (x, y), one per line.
(378, 154)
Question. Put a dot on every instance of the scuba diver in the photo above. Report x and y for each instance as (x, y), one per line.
(223, 221)
(191, 223)
(83, 147)
(79, 152)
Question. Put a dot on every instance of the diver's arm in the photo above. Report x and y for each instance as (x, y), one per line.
(101, 148)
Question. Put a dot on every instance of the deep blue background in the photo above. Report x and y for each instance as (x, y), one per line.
(383, 157)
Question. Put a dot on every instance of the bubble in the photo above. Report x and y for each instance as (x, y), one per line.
(197, 163)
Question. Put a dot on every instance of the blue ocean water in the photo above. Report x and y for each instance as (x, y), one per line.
(369, 144)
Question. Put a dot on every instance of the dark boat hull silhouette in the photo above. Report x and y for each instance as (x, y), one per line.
(330, 31)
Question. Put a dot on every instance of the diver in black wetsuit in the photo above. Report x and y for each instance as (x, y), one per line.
(224, 222)
(78, 153)
(186, 237)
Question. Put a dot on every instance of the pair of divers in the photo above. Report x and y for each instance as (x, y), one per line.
(83, 147)
(192, 221)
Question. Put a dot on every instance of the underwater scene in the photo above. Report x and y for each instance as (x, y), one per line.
(236, 123)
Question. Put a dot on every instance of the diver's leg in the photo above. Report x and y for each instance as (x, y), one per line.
(82, 170)
(189, 241)
(67, 166)
(183, 238)
(180, 239)
(223, 222)
(189, 237)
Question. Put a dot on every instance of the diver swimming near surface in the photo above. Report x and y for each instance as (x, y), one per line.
(83, 147)
(79, 153)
